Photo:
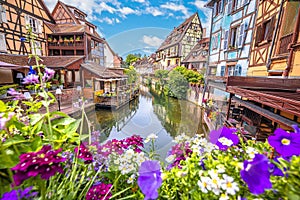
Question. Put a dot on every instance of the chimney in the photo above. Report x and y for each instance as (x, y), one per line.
(203, 32)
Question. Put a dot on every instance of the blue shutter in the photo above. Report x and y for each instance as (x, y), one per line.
(222, 73)
(238, 70)
(229, 6)
(225, 41)
(242, 35)
(215, 9)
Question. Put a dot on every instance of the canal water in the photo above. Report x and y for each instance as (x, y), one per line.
(150, 113)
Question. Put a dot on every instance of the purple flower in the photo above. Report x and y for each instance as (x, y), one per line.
(31, 79)
(19, 194)
(149, 179)
(296, 128)
(256, 174)
(84, 154)
(99, 192)
(17, 95)
(274, 169)
(286, 144)
(224, 138)
(49, 74)
(45, 163)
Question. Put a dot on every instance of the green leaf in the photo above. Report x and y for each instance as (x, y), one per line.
(59, 113)
(36, 144)
(2, 106)
(45, 103)
(51, 95)
(72, 127)
(64, 121)
(34, 118)
(17, 139)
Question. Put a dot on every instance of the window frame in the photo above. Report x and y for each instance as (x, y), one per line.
(3, 47)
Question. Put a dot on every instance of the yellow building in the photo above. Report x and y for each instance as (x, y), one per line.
(275, 47)
(179, 43)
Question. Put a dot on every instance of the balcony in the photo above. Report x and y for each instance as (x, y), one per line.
(73, 42)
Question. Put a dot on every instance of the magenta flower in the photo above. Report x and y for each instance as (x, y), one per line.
(256, 174)
(45, 163)
(286, 144)
(31, 79)
(224, 138)
(84, 154)
(99, 192)
(296, 128)
(181, 152)
(19, 194)
(150, 179)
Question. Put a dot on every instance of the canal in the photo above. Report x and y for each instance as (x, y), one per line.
(150, 113)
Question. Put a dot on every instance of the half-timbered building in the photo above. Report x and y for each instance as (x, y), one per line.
(15, 18)
(197, 58)
(179, 43)
(230, 41)
(74, 35)
(270, 94)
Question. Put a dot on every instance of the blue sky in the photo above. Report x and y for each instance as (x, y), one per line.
(132, 26)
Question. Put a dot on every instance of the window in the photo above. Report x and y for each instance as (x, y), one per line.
(169, 62)
(233, 38)
(231, 70)
(3, 18)
(264, 32)
(2, 42)
(214, 42)
(204, 53)
(225, 40)
(242, 35)
(238, 70)
(236, 4)
(218, 7)
(34, 23)
(38, 49)
(222, 73)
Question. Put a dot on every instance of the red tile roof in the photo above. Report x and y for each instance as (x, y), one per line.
(49, 61)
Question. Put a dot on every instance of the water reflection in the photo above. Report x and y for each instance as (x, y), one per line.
(150, 113)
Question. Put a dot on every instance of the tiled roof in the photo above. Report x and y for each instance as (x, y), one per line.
(49, 61)
(177, 34)
(68, 28)
(100, 71)
(195, 54)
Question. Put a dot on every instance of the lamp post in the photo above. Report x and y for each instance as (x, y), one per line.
(19, 76)
(58, 93)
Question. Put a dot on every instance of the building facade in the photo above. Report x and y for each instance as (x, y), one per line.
(230, 41)
(180, 42)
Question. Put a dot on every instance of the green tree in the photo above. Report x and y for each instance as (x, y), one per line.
(161, 75)
(177, 85)
(131, 58)
(132, 74)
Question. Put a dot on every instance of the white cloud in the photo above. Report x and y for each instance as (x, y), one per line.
(154, 11)
(104, 7)
(152, 41)
(108, 20)
(127, 11)
(177, 8)
(140, 1)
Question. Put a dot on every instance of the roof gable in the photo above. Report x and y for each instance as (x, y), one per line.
(62, 14)
(179, 32)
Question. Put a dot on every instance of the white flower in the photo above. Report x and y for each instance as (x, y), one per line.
(224, 197)
(221, 168)
(214, 181)
(225, 141)
(131, 179)
(251, 152)
(150, 137)
(210, 147)
(181, 138)
(204, 185)
(170, 158)
(228, 185)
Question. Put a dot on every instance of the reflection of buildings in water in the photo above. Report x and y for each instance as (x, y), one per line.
(178, 116)
(107, 119)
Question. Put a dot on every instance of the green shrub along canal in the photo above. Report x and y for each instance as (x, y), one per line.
(149, 113)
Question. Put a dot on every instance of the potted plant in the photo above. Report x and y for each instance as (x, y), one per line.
(49, 39)
(71, 39)
(78, 38)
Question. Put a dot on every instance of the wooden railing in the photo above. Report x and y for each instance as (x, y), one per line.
(284, 43)
(264, 83)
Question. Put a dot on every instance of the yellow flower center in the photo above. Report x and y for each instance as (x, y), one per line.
(285, 141)
(42, 155)
(229, 185)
